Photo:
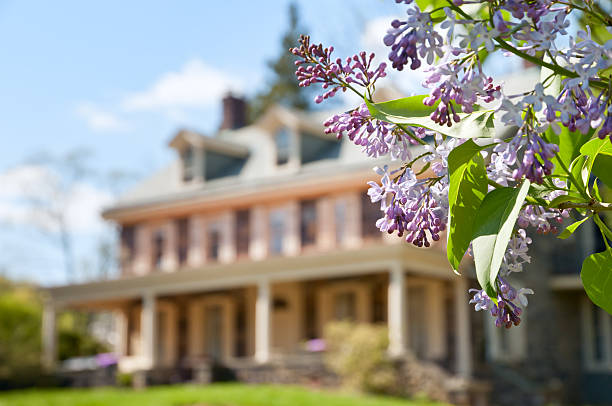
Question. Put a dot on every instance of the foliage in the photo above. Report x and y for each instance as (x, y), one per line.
(282, 87)
(20, 317)
(215, 394)
(20, 332)
(125, 379)
(488, 187)
(358, 354)
(73, 338)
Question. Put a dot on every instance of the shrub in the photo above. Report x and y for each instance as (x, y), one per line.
(125, 380)
(357, 353)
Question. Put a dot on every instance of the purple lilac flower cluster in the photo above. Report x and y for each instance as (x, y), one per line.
(413, 39)
(458, 83)
(411, 206)
(578, 106)
(536, 160)
(507, 313)
(545, 220)
(316, 65)
(378, 138)
(462, 84)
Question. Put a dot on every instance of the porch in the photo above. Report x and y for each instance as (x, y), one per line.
(274, 311)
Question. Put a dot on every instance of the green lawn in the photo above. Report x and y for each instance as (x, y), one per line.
(212, 395)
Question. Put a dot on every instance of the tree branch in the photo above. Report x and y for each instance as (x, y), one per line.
(593, 205)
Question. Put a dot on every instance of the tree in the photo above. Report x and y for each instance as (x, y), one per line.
(282, 87)
(51, 189)
(486, 192)
(49, 199)
(20, 332)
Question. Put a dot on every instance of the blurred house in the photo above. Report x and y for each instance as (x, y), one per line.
(252, 240)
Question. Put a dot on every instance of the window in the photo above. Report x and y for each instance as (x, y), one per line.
(188, 164)
(277, 230)
(213, 243)
(127, 247)
(340, 221)
(505, 345)
(183, 240)
(218, 165)
(370, 213)
(158, 249)
(344, 306)
(282, 141)
(597, 337)
(308, 223)
(315, 148)
(242, 232)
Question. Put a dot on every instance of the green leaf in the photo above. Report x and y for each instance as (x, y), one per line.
(579, 174)
(468, 186)
(560, 199)
(569, 230)
(593, 149)
(493, 227)
(596, 192)
(569, 146)
(426, 4)
(411, 111)
(602, 168)
(596, 278)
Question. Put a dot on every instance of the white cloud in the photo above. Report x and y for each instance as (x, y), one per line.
(195, 85)
(373, 33)
(28, 191)
(98, 119)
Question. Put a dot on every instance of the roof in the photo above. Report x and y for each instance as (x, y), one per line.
(255, 144)
(254, 141)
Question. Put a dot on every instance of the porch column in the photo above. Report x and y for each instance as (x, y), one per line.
(149, 328)
(397, 311)
(463, 344)
(121, 331)
(49, 336)
(262, 322)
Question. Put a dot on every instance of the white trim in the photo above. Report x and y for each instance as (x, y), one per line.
(262, 322)
(588, 337)
(373, 259)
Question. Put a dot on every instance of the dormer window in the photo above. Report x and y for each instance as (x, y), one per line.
(218, 165)
(315, 148)
(282, 141)
(188, 164)
(207, 158)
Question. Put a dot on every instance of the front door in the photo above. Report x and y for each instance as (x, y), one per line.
(160, 342)
(345, 306)
(213, 331)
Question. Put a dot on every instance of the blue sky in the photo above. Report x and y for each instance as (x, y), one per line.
(70, 65)
(118, 79)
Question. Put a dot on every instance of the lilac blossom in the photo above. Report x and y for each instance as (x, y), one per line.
(509, 303)
(413, 39)
(516, 253)
(378, 138)
(537, 155)
(412, 207)
(316, 65)
(545, 220)
(458, 87)
(506, 312)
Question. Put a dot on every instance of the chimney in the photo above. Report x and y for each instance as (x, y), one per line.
(234, 112)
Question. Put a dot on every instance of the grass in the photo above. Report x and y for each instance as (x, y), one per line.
(211, 395)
